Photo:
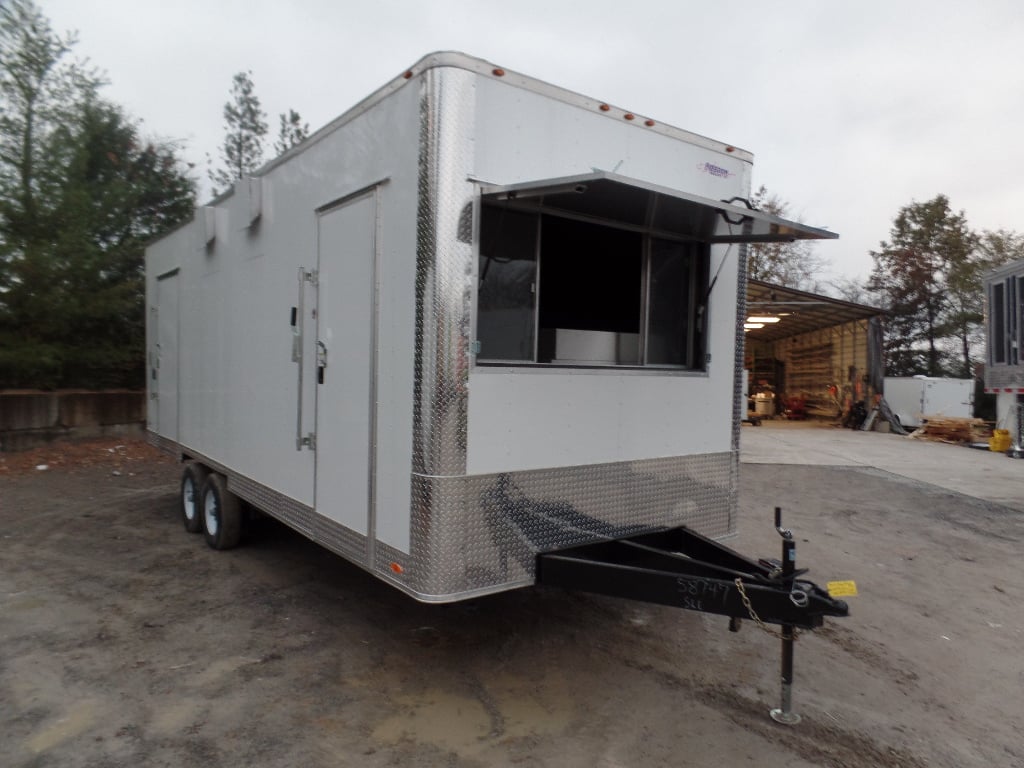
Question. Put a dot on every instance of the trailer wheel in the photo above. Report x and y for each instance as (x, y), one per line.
(222, 514)
(192, 479)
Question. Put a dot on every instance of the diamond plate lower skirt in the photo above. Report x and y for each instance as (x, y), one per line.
(482, 533)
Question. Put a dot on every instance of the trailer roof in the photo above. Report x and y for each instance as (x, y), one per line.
(459, 60)
(1003, 270)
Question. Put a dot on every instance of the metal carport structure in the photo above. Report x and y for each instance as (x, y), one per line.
(815, 352)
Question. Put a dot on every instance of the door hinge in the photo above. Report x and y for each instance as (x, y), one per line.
(309, 441)
(312, 277)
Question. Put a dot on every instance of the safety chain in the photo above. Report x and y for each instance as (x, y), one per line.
(757, 619)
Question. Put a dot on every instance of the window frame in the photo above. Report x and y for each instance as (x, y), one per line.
(698, 258)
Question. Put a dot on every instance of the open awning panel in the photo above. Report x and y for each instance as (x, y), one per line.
(607, 197)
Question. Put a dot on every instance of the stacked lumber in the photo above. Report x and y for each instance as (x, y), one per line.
(951, 429)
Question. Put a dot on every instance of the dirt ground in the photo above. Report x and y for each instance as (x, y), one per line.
(125, 641)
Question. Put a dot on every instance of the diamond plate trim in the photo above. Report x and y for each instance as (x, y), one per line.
(290, 512)
(340, 540)
(739, 403)
(444, 262)
(322, 530)
(739, 406)
(482, 533)
(163, 444)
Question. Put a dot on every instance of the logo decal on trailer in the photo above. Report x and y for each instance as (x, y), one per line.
(715, 170)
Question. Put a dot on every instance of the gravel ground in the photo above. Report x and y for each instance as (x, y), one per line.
(127, 642)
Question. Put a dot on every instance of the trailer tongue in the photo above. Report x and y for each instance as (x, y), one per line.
(680, 567)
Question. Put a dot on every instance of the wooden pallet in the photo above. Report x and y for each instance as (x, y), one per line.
(950, 429)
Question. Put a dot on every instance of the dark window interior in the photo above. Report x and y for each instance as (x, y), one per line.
(671, 287)
(590, 276)
(559, 290)
(507, 280)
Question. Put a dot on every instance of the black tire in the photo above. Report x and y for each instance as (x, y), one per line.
(193, 477)
(222, 514)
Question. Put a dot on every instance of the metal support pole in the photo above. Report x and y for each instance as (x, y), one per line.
(785, 714)
(1016, 450)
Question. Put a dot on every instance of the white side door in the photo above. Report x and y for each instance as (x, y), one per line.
(166, 364)
(345, 372)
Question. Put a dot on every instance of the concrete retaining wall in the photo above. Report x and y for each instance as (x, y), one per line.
(29, 418)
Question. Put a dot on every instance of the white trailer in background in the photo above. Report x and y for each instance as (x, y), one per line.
(474, 321)
(914, 397)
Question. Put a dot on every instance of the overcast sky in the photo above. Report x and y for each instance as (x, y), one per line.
(852, 109)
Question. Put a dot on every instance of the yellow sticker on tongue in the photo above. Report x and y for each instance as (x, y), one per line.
(842, 588)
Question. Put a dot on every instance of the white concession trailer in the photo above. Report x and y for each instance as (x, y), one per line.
(475, 320)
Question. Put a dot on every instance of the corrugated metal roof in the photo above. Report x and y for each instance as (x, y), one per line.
(799, 311)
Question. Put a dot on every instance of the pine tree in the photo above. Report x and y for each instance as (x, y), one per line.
(292, 131)
(246, 126)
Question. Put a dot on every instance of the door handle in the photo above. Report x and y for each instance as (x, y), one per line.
(321, 361)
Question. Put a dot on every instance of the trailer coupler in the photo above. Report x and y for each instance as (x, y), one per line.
(682, 568)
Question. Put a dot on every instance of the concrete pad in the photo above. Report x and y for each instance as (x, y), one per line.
(984, 475)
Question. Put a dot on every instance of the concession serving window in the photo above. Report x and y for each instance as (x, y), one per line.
(600, 270)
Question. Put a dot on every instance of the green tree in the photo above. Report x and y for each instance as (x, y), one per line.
(245, 124)
(120, 191)
(926, 277)
(291, 131)
(849, 289)
(794, 265)
(1000, 246)
(38, 87)
(965, 323)
(80, 193)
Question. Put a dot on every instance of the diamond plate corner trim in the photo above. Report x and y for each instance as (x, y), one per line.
(444, 267)
(741, 314)
(738, 402)
(483, 532)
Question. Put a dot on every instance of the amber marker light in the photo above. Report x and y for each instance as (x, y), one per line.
(730, 149)
(604, 107)
(629, 116)
(397, 568)
(649, 123)
(408, 74)
(498, 72)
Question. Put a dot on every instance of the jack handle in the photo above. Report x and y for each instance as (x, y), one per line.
(783, 532)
